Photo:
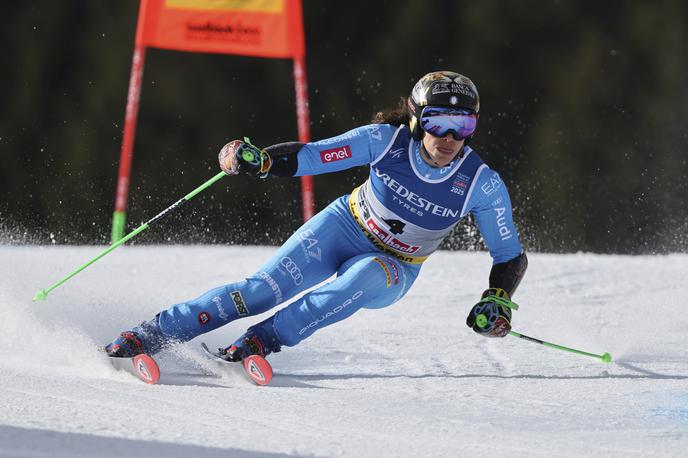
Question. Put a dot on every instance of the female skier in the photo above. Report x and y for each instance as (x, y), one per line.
(424, 178)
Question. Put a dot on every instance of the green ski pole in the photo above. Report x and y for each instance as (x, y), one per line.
(606, 357)
(41, 295)
(481, 320)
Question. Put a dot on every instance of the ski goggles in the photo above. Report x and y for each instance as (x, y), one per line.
(439, 121)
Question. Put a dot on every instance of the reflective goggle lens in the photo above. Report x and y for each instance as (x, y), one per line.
(439, 121)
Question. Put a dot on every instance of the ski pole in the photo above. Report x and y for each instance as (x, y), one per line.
(606, 357)
(481, 320)
(41, 295)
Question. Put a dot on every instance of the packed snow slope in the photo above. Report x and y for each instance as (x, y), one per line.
(409, 380)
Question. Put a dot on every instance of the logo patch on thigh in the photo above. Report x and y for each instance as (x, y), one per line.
(239, 303)
(388, 274)
(204, 318)
(395, 270)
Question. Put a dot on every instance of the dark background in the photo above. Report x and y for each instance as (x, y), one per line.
(584, 112)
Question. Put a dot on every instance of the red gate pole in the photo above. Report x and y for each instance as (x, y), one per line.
(130, 118)
(303, 120)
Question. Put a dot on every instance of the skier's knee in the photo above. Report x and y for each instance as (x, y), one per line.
(384, 275)
(260, 293)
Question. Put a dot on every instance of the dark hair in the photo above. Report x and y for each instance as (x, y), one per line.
(395, 116)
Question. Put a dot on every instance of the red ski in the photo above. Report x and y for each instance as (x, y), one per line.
(255, 368)
(142, 366)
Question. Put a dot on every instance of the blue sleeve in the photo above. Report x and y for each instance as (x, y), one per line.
(354, 148)
(491, 206)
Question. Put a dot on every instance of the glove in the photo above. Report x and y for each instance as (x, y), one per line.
(491, 317)
(242, 156)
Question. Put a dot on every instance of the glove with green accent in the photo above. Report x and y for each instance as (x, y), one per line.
(491, 317)
(242, 156)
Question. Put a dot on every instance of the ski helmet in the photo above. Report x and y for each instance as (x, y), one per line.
(441, 89)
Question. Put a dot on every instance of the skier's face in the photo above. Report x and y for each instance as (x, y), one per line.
(441, 150)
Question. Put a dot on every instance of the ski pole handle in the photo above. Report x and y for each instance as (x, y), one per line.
(42, 294)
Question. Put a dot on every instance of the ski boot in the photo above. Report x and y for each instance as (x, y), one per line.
(144, 338)
(260, 339)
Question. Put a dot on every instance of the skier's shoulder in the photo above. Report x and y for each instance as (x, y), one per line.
(488, 181)
(380, 138)
(373, 136)
(385, 133)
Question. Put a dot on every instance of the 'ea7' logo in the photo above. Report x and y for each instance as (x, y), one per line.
(374, 132)
(308, 244)
(493, 185)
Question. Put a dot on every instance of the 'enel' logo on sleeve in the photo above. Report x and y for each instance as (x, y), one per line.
(335, 154)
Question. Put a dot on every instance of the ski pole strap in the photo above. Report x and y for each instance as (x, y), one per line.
(498, 296)
(263, 160)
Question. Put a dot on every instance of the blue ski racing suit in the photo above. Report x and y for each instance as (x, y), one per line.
(372, 242)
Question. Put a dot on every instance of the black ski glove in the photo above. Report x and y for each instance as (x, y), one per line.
(491, 317)
(242, 156)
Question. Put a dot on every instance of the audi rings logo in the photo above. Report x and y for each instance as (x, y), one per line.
(293, 269)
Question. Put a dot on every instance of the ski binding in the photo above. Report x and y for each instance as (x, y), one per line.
(255, 368)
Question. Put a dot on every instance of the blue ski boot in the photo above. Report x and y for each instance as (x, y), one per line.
(144, 338)
(260, 339)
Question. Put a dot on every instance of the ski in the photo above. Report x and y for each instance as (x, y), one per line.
(254, 368)
(142, 366)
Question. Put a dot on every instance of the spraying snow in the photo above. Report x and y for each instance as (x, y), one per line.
(408, 380)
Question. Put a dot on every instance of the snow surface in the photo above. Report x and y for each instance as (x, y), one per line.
(408, 380)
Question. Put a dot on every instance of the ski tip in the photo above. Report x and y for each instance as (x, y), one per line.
(146, 369)
(258, 369)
